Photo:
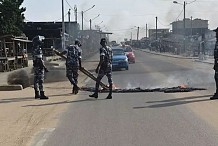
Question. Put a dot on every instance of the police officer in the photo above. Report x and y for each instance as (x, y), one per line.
(104, 68)
(73, 63)
(215, 96)
(38, 67)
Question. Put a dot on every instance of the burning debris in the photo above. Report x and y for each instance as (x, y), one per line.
(181, 88)
(134, 90)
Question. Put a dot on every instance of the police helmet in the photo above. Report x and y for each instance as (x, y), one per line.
(37, 40)
(77, 42)
(103, 40)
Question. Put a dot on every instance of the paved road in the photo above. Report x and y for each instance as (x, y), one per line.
(144, 119)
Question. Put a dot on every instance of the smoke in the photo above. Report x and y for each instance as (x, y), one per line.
(20, 77)
(190, 78)
(55, 74)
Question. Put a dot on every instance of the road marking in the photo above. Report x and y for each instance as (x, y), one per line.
(42, 136)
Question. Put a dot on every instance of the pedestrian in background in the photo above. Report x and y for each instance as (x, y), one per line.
(73, 63)
(104, 68)
(38, 67)
(215, 96)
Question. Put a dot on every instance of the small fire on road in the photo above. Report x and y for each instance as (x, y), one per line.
(180, 88)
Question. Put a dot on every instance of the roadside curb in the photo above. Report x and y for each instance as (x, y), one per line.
(204, 62)
(181, 57)
(11, 87)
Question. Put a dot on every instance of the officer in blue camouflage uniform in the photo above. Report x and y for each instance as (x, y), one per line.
(215, 96)
(104, 68)
(73, 63)
(38, 67)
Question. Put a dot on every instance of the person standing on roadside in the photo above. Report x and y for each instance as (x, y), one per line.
(38, 67)
(73, 64)
(215, 96)
(104, 68)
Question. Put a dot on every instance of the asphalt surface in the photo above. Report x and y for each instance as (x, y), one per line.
(142, 119)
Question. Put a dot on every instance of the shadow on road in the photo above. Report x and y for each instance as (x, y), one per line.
(175, 102)
(65, 102)
(10, 100)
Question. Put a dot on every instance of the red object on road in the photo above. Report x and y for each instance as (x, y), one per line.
(130, 54)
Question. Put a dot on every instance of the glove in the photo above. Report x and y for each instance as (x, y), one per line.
(97, 70)
(80, 67)
(46, 70)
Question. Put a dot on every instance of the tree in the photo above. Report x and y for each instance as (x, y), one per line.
(11, 17)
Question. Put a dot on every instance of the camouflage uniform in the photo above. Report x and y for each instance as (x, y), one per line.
(39, 72)
(215, 96)
(39, 68)
(72, 63)
(104, 68)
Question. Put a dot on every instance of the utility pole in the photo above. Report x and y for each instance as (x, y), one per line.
(156, 28)
(82, 20)
(137, 33)
(184, 47)
(63, 26)
(90, 21)
(131, 38)
(146, 31)
(69, 32)
(75, 13)
(156, 44)
(191, 27)
(84, 12)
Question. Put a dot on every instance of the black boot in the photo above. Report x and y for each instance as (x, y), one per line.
(109, 96)
(37, 94)
(76, 88)
(73, 91)
(215, 96)
(43, 95)
(110, 92)
(95, 95)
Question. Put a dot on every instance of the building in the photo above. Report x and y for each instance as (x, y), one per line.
(159, 33)
(52, 32)
(192, 27)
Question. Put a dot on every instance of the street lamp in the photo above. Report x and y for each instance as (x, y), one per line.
(97, 25)
(91, 21)
(84, 12)
(184, 29)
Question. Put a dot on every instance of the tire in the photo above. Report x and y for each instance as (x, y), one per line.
(127, 68)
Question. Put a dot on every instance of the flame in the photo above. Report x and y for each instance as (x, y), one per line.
(113, 87)
(183, 86)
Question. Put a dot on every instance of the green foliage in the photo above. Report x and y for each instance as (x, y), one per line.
(11, 17)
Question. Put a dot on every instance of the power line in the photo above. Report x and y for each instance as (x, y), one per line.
(162, 23)
(61, 18)
(69, 4)
(179, 14)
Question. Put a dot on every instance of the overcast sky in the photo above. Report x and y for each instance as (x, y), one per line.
(121, 17)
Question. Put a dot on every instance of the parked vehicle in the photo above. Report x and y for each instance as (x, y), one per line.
(130, 54)
(119, 59)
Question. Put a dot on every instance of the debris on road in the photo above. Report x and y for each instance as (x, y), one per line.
(134, 90)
